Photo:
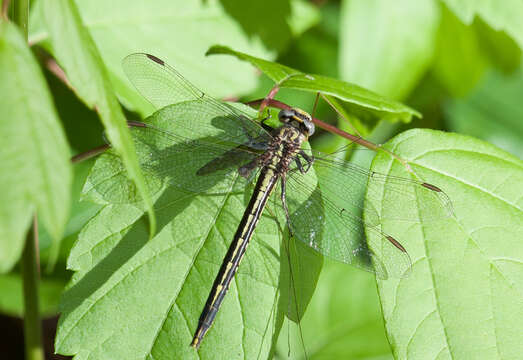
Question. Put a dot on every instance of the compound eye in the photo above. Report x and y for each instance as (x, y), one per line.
(310, 127)
(285, 115)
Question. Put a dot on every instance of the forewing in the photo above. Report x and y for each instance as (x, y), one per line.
(158, 82)
(187, 145)
(162, 85)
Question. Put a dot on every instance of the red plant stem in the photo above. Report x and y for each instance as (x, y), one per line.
(333, 129)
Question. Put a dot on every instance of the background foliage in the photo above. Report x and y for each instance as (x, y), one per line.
(458, 63)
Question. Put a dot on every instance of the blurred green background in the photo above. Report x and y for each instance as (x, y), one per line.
(456, 62)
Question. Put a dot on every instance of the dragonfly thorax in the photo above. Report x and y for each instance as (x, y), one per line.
(299, 119)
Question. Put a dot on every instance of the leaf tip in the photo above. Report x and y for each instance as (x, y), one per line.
(218, 49)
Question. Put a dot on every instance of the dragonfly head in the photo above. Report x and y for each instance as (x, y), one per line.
(299, 119)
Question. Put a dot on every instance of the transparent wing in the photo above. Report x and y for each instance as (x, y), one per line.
(402, 198)
(336, 233)
(158, 82)
(186, 145)
(162, 85)
(326, 213)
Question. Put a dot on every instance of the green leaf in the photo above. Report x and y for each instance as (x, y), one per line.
(316, 50)
(492, 112)
(77, 53)
(358, 98)
(343, 320)
(502, 52)
(81, 212)
(465, 51)
(386, 46)
(463, 298)
(35, 174)
(297, 284)
(272, 28)
(507, 17)
(304, 15)
(281, 20)
(459, 63)
(177, 31)
(277, 72)
(161, 286)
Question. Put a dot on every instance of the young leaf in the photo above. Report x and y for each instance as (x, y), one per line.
(361, 99)
(463, 297)
(386, 46)
(77, 53)
(35, 174)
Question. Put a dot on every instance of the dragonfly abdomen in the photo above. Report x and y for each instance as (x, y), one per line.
(264, 186)
(274, 164)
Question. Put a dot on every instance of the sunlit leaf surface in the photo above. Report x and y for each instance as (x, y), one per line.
(353, 95)
(464, 296)
(161, 286)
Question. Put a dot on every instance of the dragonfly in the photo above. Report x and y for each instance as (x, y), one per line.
(327, 202)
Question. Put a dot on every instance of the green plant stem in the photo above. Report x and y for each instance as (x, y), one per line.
(30, 259)
(30, 275)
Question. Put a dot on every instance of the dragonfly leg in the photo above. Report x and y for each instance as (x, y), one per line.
(284, 202)
(308, 159)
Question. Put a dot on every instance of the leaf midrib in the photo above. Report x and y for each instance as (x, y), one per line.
(190, 268)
